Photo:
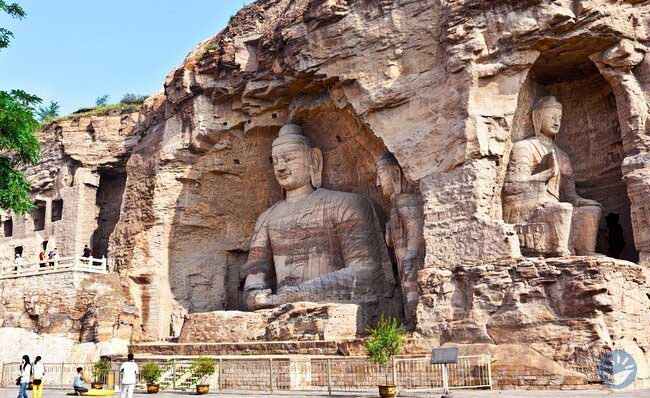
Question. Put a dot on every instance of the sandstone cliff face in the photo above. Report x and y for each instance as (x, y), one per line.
(569, 310)
(447, 87)
(78, 187)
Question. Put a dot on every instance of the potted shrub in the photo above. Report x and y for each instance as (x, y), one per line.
(384, 342)
(151, 372)
(202, 367)
(100, 371)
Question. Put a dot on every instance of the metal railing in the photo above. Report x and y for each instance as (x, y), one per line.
(48, 266)
(293, 373)
(56, 374)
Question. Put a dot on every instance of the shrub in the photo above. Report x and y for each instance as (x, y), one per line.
(102, 101)
(203, 367)
(101, 369)
(385, 341)
(133, 99)
(151, 372)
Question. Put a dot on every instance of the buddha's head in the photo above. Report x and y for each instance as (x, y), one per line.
(547, 116)
(295, 163)
(390, 176)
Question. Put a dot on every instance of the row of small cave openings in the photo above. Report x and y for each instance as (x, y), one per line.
(38, 215)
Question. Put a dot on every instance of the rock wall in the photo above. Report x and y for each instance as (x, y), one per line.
(446, 92)
(77, 182)
(78, 307)
(569, 310)
(75, 154)
(447, 88)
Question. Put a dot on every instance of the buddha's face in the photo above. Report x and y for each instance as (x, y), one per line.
(550, 119)
(385, 180)
(291, 165)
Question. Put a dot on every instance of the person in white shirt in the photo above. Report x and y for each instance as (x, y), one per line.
(18, 262)
(129, 372)
(24, 376)
(38, 372)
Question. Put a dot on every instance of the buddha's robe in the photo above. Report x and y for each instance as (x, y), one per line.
(568, 226)
(326, 247)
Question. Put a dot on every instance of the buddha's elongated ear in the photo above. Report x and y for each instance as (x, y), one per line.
(316, 167)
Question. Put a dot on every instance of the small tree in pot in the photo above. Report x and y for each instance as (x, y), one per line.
(151, 372)
(100, 371)
(384, 342)
(202, 367)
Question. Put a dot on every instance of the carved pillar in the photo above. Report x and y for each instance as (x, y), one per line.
(627, 70)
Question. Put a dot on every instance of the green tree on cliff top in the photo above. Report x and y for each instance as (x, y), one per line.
(49, 112)
(18, 143)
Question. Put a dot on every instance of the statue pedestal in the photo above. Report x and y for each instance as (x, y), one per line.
(303, 321)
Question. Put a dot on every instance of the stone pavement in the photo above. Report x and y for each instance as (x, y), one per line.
(12, 392)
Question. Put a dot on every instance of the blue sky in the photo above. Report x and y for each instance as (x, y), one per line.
(73, 51)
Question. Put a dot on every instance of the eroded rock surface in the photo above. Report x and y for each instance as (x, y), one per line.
(447, 87)
(296, 321)
(570, 310)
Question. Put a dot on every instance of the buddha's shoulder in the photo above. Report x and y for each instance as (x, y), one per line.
(268, 212)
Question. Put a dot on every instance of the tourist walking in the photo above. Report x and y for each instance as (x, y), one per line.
(38, 372)
(24, 376)
(87, 252)
(129, 373)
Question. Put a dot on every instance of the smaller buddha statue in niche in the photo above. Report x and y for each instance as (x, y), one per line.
(404, 230)
(539, 194)
(316, 245)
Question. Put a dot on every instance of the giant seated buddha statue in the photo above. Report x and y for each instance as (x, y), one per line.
(316, 245)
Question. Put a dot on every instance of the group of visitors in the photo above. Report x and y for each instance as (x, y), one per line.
(36, 372)
(52, 256)
(33, 373)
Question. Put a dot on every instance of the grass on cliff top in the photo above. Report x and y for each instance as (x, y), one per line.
(100, 110)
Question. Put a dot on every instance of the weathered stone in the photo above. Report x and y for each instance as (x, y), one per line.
(447, 87)
(565, 312)
(297, 321)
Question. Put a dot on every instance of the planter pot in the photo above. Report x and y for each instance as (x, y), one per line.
(387, 391)
(202, 389)
(153, 388)
(96, 386)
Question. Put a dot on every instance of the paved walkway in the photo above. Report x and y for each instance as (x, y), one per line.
(12, 392)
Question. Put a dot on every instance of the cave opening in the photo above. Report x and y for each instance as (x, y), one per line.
(38, 215)
(57, 210)
(8, 227)
(109, 201)
(589, 134)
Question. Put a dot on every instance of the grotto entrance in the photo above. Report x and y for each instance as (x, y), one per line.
(590, 133)
(109, 201)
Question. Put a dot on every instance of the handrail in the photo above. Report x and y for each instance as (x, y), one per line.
(86, 264)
